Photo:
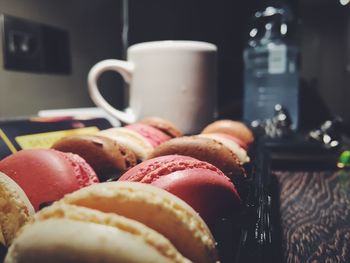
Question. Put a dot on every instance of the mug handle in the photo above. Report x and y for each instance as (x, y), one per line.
(125, 69)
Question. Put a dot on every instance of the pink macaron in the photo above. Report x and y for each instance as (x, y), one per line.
(153, 135)
(200, 184)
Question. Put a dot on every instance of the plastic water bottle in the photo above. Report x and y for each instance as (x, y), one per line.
(271, 73)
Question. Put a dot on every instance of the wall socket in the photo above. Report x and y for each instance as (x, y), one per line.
(34, 47)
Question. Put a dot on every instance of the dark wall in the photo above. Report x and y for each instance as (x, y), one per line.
(95, 28)
(323, 34)
(223, 23)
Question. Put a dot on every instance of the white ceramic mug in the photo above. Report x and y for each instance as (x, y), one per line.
(175, 80)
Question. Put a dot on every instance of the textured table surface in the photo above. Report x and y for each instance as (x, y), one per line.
(315, 215)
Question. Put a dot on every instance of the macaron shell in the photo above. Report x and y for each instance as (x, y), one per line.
(211, 195)
(130, 139)
(150, 170)
(157, 209)
(153, 135)
(70, 241)
(152, 239)
(233, 128)
(203, 149)
(232, 145)
(103, 154)
(47, 175)
(3, 247)
(165, 126)
(15, 208)
(232, 138)
(84, 173)
(2, 242)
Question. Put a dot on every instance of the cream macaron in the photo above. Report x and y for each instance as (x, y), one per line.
(232, 145)
(155, 208)
(131, 140)
(15, 208)
(69, 233)
(115, 222)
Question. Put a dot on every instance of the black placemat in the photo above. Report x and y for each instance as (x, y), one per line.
(42, 132)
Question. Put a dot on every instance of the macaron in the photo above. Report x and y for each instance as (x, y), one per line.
(201, 185)
(165, 126)
(230, 143)
(69, 233)
(204, 149)
(234, 128)
(130, 139)
(3, 247)
(153, 135)
(46, 175)
(155, 208)
(232, 138)
(108, 158)
(15, 209)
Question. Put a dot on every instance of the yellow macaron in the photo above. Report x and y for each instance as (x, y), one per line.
(15, 208)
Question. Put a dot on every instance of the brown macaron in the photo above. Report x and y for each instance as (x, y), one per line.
(204, 149)
(165, 126)
(105, 156)
(233, 128)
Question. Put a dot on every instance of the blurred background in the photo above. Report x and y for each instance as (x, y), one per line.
(79, 33)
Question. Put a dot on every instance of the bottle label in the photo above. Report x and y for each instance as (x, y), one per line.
(277, 58)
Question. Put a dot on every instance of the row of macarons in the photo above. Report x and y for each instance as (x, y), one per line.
(47, 175)
(114, 222)
(113, 151)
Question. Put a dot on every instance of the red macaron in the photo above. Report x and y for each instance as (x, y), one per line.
(200, 184)
(47, 175)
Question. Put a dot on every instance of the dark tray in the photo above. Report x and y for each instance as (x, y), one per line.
(298, 205)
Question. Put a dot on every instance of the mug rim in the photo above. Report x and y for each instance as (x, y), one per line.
(174, 44)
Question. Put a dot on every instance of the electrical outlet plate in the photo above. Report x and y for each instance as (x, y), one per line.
(34, 47)
(21, 44)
